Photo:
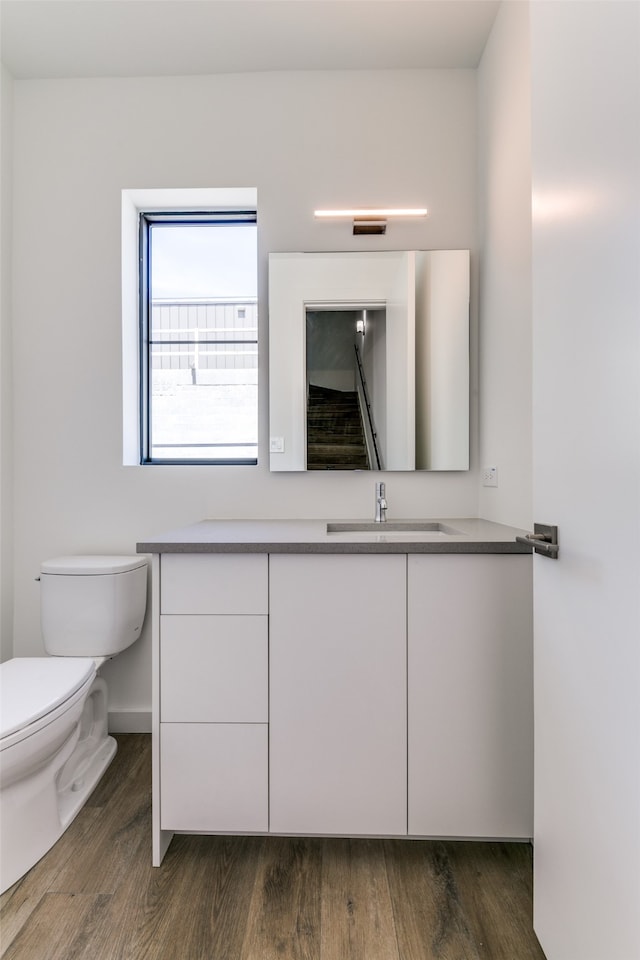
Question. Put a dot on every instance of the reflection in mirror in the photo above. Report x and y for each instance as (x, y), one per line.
(369, 361)
(345, 388)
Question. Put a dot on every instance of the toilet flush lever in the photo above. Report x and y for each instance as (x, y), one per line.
(544, 540)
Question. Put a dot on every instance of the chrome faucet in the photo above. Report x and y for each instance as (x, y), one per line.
(381, 503)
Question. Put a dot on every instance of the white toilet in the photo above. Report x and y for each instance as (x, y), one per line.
(54, 744)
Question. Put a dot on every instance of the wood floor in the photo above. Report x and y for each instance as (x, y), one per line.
(95, 896)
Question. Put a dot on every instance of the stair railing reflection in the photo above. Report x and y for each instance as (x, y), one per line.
(370, 432)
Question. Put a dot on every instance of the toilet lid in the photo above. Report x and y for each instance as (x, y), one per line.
(89, 566)
(31, 687)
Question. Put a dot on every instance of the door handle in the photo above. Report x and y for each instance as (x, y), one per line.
(544, 540)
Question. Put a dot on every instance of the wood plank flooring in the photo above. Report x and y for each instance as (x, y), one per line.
(95, 895)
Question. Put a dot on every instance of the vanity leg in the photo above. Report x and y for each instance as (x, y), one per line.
(161, 841)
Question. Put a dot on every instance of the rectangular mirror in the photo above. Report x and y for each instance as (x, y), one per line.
(369, 360)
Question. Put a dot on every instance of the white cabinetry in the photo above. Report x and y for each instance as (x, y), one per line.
(470, 694)
(213, 682)
(338, 720)
(342, 694)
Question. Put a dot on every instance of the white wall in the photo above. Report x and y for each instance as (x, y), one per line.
(6, 399)
(304, 140)
(504, 196)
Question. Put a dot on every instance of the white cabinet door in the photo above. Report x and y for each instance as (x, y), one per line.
(470, 691)
(214, 777)
(338, 694)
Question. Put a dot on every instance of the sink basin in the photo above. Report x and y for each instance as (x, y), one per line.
(404, 527)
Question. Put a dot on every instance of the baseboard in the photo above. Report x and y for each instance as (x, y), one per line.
(130, 721)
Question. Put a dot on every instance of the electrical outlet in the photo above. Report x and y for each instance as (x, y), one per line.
(489, 476)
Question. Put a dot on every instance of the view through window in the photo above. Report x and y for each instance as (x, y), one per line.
(199, 337)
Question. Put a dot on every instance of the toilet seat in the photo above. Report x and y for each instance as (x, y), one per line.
(34, 691)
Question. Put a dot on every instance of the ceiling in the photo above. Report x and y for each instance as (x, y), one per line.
(125, 38)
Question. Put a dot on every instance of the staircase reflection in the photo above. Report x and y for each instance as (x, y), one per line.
(335, 434)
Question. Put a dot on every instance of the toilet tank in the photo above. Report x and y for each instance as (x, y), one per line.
(92, 606)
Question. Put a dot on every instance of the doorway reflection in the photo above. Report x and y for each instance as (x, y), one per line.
(346, 387)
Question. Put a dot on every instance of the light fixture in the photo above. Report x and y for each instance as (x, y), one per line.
(371, 220)
(361, 323)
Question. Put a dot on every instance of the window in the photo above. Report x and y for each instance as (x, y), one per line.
(198, 337)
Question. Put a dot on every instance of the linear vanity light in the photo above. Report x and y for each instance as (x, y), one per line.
(371, 220)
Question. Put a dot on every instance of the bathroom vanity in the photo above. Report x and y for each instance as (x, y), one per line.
(310, 679)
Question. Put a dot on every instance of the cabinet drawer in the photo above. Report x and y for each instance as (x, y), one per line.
(214, 777)
(196, 583)
(214, 669)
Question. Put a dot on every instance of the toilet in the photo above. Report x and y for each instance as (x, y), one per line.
(54, 743)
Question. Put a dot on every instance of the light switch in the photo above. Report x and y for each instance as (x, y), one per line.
(276, 445)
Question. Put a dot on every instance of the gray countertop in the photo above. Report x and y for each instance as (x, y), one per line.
(311, 536)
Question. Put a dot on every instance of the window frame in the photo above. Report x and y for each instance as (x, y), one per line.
(146, 220)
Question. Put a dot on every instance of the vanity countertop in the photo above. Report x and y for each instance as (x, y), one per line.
(311, 536)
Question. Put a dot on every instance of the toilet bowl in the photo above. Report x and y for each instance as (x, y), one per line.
(54, 742)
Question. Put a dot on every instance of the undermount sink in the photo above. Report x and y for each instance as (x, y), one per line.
(404, 527)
